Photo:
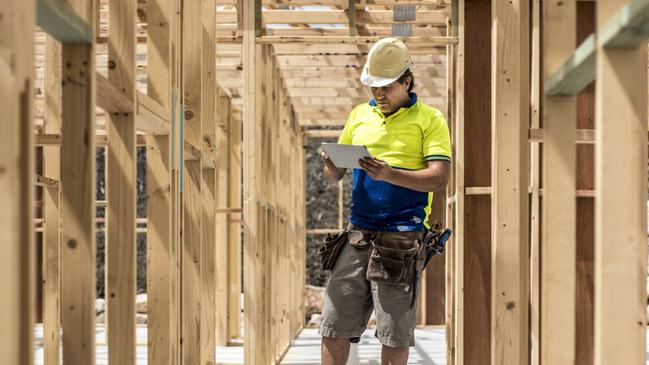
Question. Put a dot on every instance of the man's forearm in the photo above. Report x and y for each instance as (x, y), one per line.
(422, 180)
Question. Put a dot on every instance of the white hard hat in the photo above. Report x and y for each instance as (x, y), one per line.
(387, 61)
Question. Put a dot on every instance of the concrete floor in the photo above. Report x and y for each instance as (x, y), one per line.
(305, 350)
(429, 349)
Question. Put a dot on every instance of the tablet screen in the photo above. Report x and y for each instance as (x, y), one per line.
(345, 156)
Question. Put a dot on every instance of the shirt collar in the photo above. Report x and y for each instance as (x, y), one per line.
(413, 100)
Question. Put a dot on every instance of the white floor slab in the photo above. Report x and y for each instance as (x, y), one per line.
(429, 349)
(305, 350)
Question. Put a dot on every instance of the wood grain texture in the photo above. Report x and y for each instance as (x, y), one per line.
(559, 196)
(585, 291)
(235, 167)
(222, 146)
(16, 182)
(191, 261)
(208, 122)
(78, 198)
(51, 208)
(620, 210)
(252, 284)
(121, 286)
(475, 260)
(510, 169)
(162, 252)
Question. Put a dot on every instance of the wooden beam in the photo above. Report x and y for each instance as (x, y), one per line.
(582, 136)
(585, 265)
(535, 172)
(162, 246)
(370, 29)
(210, 186)
(356, 40)
(620, 156)
(17, 264)
(509, 176)
(558, 270)
(429, 3)
(54, 139)
(191, 264)
(152, 117)
(351, 15)
(272, 16)
(235, 165)
(51, 207)
(473, 269)
(576, 73)
(121, 256)
(62, 22)
(222, 145)
(78, 198)
(109, 96)
(252, 286)
(626, 28)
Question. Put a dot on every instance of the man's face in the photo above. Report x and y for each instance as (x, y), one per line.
(391, 97)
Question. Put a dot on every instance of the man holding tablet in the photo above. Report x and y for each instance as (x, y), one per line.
(411, 152)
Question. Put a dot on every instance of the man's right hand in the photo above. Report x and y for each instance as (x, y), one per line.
(331, 172)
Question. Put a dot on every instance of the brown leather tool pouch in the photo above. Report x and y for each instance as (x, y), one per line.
(393, 257)
(331, 248)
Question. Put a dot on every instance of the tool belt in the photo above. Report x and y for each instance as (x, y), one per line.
(333, 244)
(432, 244)
(392, 257)
(331, 248)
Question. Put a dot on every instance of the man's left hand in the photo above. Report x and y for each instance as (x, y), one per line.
(377, 169)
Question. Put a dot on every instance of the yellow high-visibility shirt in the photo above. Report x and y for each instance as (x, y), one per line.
(406, 139)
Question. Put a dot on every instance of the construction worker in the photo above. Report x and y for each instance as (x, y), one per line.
(411, 152)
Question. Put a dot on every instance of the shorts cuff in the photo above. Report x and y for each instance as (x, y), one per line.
(388, 341)
(333, 333)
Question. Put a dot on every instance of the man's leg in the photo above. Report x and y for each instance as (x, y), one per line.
(347, 305)
(335, 351)
(394, 355)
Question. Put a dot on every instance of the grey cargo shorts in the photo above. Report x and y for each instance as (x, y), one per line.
(350, 299)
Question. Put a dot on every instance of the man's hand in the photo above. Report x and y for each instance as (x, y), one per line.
(331, 172)
(327, 161)
(377, 169)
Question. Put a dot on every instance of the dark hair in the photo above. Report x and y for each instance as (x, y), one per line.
(402, 79)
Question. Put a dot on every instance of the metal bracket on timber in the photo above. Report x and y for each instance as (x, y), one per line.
(627, 29)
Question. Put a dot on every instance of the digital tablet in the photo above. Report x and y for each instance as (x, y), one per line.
(345, 156)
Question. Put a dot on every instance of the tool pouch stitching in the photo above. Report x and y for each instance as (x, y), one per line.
(391, 265)
(331, 248)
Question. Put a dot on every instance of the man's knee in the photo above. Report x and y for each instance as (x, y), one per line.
(394, 355)
(332, 341)
(335, 350)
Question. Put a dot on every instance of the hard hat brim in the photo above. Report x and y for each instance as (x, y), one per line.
(375, 81)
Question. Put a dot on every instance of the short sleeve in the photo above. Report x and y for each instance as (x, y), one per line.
(346, 135)
(437, 139)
